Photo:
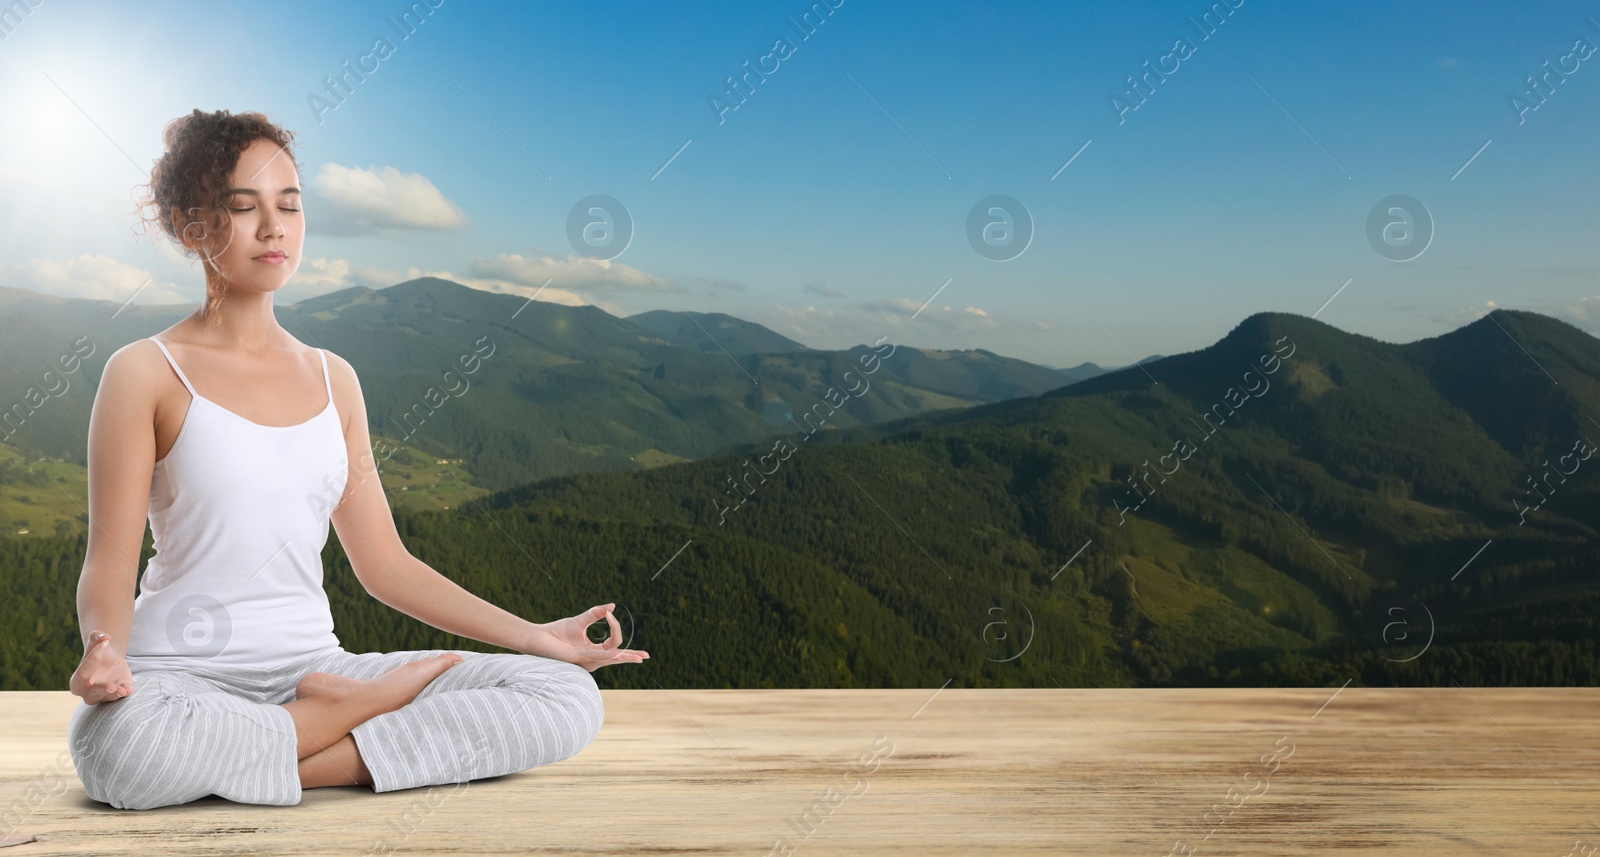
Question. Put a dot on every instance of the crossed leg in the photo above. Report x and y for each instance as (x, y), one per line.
(186, 734)
(328, 706)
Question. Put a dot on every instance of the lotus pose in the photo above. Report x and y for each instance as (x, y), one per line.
(224, 676)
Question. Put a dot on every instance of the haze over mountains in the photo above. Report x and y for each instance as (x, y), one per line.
(714, 331)
(1266, 510)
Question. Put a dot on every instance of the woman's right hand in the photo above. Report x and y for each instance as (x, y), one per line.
(103, 675)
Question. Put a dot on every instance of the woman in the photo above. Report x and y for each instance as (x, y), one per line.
(224, 675)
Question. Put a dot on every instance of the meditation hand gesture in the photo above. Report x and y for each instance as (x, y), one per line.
(102, 675)
(568, 640)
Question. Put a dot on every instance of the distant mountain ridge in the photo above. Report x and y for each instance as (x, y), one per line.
(1085, 371)
(569, 390)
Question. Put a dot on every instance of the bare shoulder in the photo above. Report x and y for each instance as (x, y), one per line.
(346, 386)
(135, 369)
(129, 390)
(339, 369)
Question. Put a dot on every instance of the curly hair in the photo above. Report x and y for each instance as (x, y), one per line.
(192, 176)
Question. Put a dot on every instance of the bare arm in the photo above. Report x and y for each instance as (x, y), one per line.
(385, 568)
(417, 590)
(392, 575)
(121, 461)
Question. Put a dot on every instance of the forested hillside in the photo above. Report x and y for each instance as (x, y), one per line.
(1294, 505)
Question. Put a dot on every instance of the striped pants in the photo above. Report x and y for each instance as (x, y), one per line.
(186, 734)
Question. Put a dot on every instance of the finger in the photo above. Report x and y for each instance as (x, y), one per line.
(615, 639)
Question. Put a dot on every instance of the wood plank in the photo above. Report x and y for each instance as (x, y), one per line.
(959, 771)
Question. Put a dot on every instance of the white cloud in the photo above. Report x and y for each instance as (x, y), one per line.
(331, 275)
(365, 202)
(91, 276)
(320, 276)
(573, 272)
(550, 293)
(546, 293)
(946, 319)
(935, 326)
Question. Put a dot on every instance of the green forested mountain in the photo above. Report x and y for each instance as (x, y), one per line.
(1293, 505)
(509, 390)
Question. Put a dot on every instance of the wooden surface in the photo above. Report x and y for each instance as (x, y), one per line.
(958, 772)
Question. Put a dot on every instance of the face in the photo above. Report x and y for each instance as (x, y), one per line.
(265, 207)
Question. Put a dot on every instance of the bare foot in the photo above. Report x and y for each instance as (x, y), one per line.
(388, 692)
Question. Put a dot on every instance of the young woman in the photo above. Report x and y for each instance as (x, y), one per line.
(224, 675)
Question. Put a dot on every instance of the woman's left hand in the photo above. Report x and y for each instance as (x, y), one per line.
(568, 640)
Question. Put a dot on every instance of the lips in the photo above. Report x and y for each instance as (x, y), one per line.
(275, 255)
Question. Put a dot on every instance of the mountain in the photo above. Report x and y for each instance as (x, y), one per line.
(553, 389)
(1085, 371)
(1306, 492)
(1292, 505)
(713, 332)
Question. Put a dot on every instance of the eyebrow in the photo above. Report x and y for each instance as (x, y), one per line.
(238, 191)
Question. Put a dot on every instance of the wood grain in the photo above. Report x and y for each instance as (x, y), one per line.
(957, 772)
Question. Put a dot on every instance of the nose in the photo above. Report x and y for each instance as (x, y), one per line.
(271, 225)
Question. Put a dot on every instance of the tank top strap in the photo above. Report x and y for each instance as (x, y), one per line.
(326, 381)
(181, 377)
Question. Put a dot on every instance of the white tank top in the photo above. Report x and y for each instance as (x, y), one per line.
(240, 514)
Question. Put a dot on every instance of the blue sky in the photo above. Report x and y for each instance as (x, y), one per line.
(833, 202)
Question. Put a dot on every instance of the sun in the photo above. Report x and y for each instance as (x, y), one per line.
(45, 129)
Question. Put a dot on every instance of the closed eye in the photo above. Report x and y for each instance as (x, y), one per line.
(252, 208)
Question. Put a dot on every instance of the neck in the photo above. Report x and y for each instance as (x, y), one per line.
(244, 321)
